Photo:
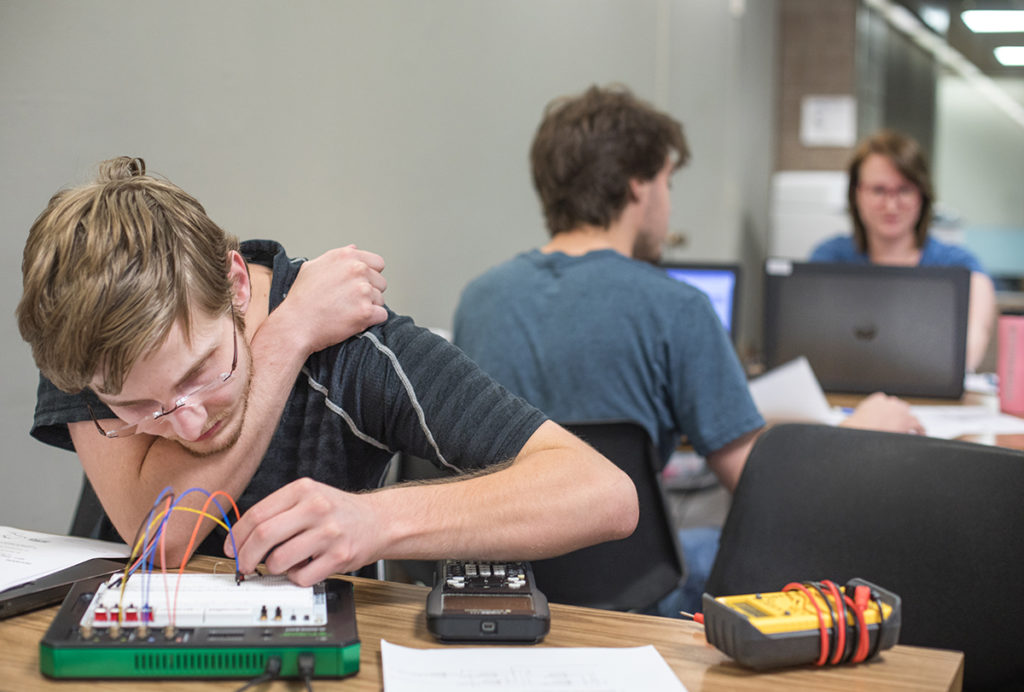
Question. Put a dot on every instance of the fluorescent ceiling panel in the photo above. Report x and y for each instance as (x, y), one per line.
(1011, 56)
(993, 21)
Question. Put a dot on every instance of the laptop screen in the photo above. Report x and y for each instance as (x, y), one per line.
(867, 328)
(719, 281)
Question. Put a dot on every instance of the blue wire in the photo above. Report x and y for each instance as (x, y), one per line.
(151, 549)
(147, 560)
(144, 589)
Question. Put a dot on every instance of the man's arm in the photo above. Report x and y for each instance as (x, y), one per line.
(876, 412)
(727, 463)
(334, 296)
(558, 495)
(981, 315)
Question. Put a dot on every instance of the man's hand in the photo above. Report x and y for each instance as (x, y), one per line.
(308, 530)
(885, 413)
(336, 295)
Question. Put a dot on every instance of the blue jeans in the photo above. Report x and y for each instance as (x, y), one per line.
(700, 545)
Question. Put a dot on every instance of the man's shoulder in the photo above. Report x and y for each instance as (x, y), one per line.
(609, 269)
(261, 252)
(517, 263)
(501, 277)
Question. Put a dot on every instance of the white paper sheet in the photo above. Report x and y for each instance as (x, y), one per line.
(949, 422)
(791, 393)
(526, 669)
(27, 555)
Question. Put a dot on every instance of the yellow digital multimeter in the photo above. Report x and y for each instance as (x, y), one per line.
(799, 624)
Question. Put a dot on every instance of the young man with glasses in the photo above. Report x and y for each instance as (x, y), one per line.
(173, 356)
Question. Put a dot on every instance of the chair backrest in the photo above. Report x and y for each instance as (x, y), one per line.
(628, 574)
(939, 522)
(89, 519)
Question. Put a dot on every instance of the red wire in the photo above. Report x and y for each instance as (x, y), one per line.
(859, 604)
(840, 623)
(822, 630)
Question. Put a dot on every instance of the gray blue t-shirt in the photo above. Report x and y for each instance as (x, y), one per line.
(842, 250)
(603, 336)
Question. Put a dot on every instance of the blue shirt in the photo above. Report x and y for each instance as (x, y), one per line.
(602, 337)
(843, 250)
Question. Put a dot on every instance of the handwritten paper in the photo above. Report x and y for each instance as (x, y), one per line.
(526, 669)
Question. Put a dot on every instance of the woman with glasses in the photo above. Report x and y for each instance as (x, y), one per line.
(890, 199)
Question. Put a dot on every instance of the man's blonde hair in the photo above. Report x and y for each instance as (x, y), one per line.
(110, 266)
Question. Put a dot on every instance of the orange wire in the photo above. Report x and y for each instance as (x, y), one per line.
(192, 540)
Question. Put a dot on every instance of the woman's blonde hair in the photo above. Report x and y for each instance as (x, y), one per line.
(110, 266)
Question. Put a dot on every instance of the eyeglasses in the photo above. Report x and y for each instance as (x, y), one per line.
(193, 398)
(879, 194)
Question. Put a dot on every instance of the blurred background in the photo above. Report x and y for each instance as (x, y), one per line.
(404, 127)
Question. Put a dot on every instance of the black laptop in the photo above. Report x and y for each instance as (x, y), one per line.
(867, 328)
(719, 280)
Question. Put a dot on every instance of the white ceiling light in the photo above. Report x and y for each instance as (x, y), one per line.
(1011, 56)
(935, 17)
(895, 15)
(993, 21)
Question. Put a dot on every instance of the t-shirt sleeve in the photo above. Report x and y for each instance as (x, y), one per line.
(713, 402)
(835, 249)
(55, 409)
(437, 403)
(957, 256)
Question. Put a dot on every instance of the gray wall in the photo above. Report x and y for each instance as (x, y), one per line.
(402, 127)
(979, 159)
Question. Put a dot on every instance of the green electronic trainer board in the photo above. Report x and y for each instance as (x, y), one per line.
(205, 626)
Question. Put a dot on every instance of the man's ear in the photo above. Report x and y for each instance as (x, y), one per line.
(638, 190)
(241, 286)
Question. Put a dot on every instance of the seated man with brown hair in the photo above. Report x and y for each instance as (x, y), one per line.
(587, 330)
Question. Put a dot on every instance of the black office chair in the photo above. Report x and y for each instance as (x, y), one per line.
(939, 522)
(89, 519)
(629, 574)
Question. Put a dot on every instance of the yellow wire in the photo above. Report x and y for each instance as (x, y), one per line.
(138, 547)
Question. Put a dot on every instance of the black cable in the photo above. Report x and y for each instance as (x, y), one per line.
(270, 671)
(848, 645)
(881, 623)
(307, 667)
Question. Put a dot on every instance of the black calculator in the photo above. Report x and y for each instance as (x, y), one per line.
(486, 601)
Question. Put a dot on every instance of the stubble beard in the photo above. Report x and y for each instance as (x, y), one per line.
(233, 435)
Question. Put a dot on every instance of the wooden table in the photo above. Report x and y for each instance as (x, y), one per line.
(393, 611)
(968, 399)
